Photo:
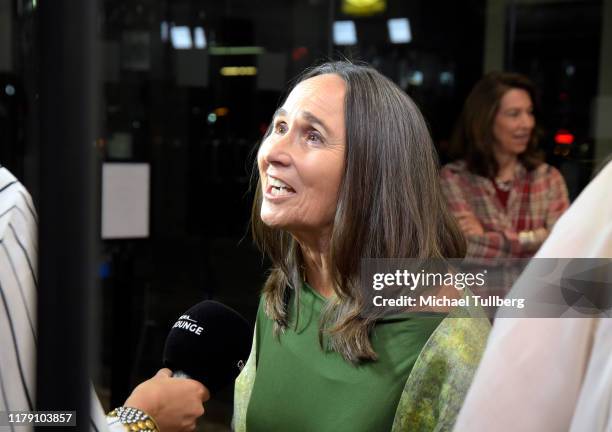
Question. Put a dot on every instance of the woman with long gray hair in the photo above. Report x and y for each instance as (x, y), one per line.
(348, 171)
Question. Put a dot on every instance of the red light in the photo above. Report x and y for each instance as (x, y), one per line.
(564, 137)
(299, 53)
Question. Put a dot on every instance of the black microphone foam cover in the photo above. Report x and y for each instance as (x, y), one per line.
(210, 343)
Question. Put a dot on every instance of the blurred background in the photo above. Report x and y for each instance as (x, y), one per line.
(188, 87)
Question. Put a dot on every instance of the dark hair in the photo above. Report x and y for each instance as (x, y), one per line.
(473, 136)
(390, 205)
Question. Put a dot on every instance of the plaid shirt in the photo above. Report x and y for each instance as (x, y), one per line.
(537, 199)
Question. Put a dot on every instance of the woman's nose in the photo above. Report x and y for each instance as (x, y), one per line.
(276, 149)
(527, 120)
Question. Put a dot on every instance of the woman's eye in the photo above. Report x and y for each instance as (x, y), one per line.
(280, 128)
(313, 136)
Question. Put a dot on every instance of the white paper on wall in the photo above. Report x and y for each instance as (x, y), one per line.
(125, 200)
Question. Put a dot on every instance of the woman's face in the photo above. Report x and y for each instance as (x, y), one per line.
(514, 123)
(301, 162)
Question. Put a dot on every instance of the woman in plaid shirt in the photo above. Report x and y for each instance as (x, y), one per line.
(505, 198)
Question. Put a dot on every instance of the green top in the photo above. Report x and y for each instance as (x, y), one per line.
(301, 387)
(436, 387)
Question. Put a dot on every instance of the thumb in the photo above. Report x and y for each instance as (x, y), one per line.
(164, 372)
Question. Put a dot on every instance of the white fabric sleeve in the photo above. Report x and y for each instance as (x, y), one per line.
(551, 374)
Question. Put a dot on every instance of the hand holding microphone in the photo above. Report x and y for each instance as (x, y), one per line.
(209, 343)
(175, 405)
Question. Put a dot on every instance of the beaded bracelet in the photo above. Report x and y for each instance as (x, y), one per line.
(134, 419)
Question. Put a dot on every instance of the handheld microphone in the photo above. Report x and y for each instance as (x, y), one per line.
(209, 343)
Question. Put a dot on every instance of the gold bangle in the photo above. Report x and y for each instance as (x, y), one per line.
(134, 419)
(527, 239)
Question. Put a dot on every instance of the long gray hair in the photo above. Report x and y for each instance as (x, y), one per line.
(390, 206)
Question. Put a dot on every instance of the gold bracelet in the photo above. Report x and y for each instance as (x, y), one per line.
(135, 419)
(527, 239)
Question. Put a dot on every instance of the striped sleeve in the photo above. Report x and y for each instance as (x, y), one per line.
(18, 294)
(18, 246)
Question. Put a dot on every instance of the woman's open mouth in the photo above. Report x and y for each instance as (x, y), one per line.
(278, 188)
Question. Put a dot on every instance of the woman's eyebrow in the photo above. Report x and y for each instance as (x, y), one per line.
(279, 112)
(307, 115)
(315, 120)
